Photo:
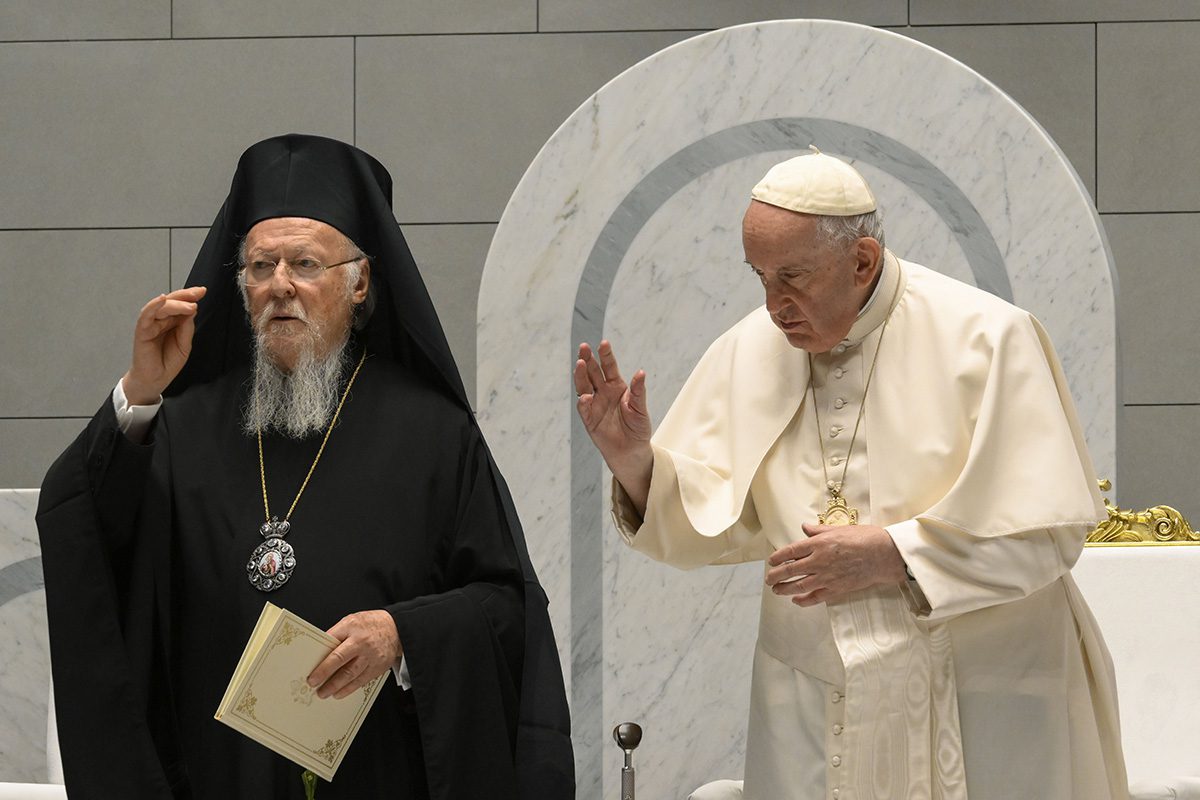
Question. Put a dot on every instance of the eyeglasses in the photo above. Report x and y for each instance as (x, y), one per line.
(301, 270)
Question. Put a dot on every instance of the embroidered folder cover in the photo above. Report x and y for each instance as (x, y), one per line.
(269, 700)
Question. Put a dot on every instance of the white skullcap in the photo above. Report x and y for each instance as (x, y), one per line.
(815, 183)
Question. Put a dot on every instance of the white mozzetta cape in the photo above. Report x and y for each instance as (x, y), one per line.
(996, 683)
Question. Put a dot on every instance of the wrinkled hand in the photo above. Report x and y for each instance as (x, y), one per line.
(833, 562)
(162, 342)
(616, 418)
(369, 647)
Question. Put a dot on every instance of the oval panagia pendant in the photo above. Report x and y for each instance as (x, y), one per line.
(271, 564)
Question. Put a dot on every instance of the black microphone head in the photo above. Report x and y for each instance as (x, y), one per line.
(628, 735)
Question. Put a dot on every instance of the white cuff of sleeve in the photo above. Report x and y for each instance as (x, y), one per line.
(403, 680)
(134, 421)
(903, 534)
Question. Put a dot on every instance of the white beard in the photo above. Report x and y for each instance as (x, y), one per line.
(298, 404)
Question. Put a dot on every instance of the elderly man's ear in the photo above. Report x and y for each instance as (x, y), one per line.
(364, 281)
(869, 256)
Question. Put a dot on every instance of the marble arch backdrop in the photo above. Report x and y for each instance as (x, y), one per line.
(627, 226)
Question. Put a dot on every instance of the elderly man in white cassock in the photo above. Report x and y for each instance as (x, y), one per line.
(902, 451)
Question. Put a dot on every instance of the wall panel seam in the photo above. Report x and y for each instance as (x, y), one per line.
(538, 30)
(1161, 405)
(1142, 213)
(352, 35)
(1131, 213)
(354, 94)
(1096, 115)
(1015, 23)
(100, 228)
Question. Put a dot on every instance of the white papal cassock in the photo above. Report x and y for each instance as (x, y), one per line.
(986, 679)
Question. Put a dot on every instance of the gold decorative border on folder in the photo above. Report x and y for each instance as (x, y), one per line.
(329, 752)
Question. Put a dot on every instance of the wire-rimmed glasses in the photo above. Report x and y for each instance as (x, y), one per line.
(302, 269)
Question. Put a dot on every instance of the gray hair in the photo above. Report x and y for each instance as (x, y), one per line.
(352, 274)
(841, 232)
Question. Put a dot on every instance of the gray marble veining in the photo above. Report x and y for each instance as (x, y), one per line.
(24, 648)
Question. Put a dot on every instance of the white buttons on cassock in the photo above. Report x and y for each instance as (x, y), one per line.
(834, 431)
(836, 761)
(836, 792)
(839, 349)
(830, 484)
(835, 460)
(837, 729)
(839, 372)
(839, 403)
(836, 697)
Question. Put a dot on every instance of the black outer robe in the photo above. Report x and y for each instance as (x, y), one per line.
(144, 547)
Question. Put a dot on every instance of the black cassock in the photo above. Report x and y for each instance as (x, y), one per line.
(401, 513)
(144, 548)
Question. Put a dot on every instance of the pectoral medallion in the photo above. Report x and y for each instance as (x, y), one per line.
(837, 512)
(271, 564)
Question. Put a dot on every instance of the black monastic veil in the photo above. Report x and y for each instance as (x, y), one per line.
(145, 546)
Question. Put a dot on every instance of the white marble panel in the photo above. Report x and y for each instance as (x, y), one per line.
(627, 225)
(24, 648)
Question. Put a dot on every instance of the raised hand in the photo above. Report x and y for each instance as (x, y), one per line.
(616, 418)
(162, 342)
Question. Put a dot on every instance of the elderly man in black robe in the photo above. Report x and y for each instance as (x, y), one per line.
(307, 382)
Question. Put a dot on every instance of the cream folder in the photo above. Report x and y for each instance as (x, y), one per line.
(269, 700)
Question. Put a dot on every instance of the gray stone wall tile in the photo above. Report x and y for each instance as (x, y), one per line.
(68, 301)
(451, 259)
(1048, 69)
(1157, 459)
(1148, 112)
(23, 20)
(951, 12)
(1156, 305)
(351, 17)
(584, 15)
(147, 134)
(457, 119)
(185, 245)
(27, 449)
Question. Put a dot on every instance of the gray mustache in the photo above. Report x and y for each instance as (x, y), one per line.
(286, 309)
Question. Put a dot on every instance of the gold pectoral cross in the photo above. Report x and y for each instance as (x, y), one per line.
(838, 512)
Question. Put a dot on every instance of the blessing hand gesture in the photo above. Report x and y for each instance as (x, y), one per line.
(616, 418)
(162, 342)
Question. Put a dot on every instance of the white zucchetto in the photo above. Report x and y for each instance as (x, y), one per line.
(815, 183)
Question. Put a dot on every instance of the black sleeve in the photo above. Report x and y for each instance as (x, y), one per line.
(464, 644)
(114, 469)
(100, 608)
(545, 756)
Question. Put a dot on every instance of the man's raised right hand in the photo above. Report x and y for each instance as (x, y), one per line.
(616, 418)
(162, 342)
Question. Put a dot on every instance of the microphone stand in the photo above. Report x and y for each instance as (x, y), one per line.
(628, 735)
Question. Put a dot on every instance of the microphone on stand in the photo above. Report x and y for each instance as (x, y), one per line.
(628, 736)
